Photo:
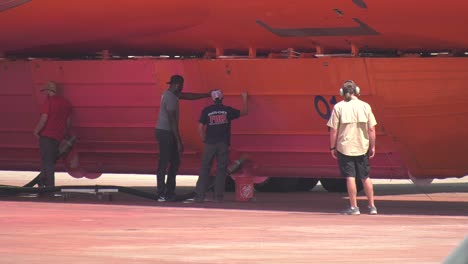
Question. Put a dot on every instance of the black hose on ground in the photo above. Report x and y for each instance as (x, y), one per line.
(64, 148)
(28, 188)
(13, 190)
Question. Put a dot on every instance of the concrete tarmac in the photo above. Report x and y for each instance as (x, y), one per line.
(416, 224)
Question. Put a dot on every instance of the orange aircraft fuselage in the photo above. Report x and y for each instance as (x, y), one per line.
(290, 57)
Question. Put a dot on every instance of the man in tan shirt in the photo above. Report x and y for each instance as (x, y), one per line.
(352, 141)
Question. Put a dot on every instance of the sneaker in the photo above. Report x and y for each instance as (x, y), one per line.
(160, 196)
(199, 199)
(351, 211)
(372, 210)
(189, 200)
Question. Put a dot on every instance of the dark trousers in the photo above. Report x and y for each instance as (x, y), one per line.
(169, 160)
(221, 152)
(49, 149)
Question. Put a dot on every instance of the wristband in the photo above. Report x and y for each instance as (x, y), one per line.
(333, 148)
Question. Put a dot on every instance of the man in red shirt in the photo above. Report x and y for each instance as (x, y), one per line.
(53, 126)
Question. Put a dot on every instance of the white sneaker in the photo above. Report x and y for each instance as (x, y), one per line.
(372, 210)
(351, 211)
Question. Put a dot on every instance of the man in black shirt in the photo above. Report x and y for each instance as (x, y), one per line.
(215, 131)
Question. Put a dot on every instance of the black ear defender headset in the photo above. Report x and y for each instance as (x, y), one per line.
(357, 90)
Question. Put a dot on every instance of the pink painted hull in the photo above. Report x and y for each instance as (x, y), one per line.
(418, 103)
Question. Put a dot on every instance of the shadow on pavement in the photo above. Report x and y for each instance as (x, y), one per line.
(391, 199)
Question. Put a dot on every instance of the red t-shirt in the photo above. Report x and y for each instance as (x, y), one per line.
(58, 109)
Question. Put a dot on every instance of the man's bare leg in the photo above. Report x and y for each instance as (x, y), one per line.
(369, 190)
(352, 192)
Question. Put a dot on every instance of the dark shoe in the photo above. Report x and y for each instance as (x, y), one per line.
(40, 183)
(199, 199)
(160, 197)
(46, 195)
(170, 197)
(189, 200)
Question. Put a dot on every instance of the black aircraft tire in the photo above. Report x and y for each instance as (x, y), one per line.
(339, 185)
(306, 184)
(277, 185)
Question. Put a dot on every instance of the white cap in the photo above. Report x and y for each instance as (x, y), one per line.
(216, 94)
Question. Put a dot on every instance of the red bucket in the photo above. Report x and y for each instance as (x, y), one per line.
(244, 188)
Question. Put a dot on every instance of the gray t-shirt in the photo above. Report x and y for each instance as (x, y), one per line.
(169, 103)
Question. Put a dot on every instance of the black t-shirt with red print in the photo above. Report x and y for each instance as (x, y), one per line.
(217, 119)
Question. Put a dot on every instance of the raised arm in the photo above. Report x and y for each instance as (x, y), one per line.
(193, 96)
(245, 109)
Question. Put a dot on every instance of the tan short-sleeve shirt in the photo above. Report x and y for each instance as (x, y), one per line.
(352, 119)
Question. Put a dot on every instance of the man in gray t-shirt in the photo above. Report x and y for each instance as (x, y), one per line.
(168, 136)
(169, 103)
